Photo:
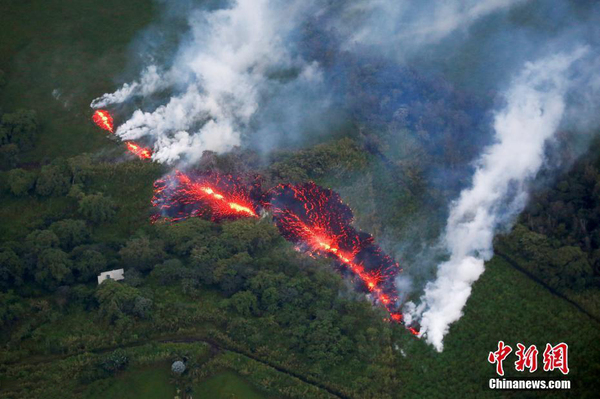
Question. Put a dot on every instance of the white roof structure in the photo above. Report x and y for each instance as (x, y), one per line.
(111, 275)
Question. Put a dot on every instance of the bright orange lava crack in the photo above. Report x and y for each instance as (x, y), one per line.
(319, 222)
(371, 281)
(140, 152)
(180, 196)
(233, 205)
(103, 119)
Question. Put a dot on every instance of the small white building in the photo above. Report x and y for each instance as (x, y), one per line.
(111, 275)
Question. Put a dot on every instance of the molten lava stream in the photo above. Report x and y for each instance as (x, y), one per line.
(317, 220)
(313, 218)
(200, 190)
(137, 150)
(371, 280)
(103, 119)
(180, 196)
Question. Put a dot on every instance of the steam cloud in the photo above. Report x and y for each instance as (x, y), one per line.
(409, 25)
(227, 71)
(535, 107)
(219, 78)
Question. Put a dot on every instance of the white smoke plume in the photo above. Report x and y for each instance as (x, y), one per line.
(535, 105)
(222, 72)
(225, 70)
(150, 82)
(409, 25)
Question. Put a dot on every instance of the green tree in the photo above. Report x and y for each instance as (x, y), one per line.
(249, 235)
(573, 269)
(40, 240)
(9, 156)
(11, 307)
(53, 268)
(169, 272)
(181, 238)
(76, 191)
(12, 270)
(141, 253)
(70, 232)
(142, 307)
(244, 302)
(323, 340)
(269, 300)
(116, 300)
(20, 181)
(52, 181)
(80, 167)
(97, 208)
(88, 263)
(19, 128)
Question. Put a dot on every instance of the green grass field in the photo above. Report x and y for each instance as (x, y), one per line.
(226, 385)
(505, 305)
(150, 382)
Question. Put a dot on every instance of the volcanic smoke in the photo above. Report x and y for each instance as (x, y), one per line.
(313, 218)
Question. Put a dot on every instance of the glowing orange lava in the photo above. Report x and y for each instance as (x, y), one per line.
(180, 195)
(371, 279)
(219, 197)
(414, 331)
(103, 119)
(139, 151)
(313, 218)
(318, 222)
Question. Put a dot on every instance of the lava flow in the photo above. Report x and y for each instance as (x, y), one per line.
(139, 151)
(312, 217)
(216, 197)
(103, 119)
(319, 222)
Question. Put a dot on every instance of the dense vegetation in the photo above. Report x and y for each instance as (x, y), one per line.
(234, 301)
(557, 238)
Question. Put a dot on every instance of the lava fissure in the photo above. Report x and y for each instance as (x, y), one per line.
(210, 195)
(312, 217)
(318, 221)
(104, 120)
(137, 150)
